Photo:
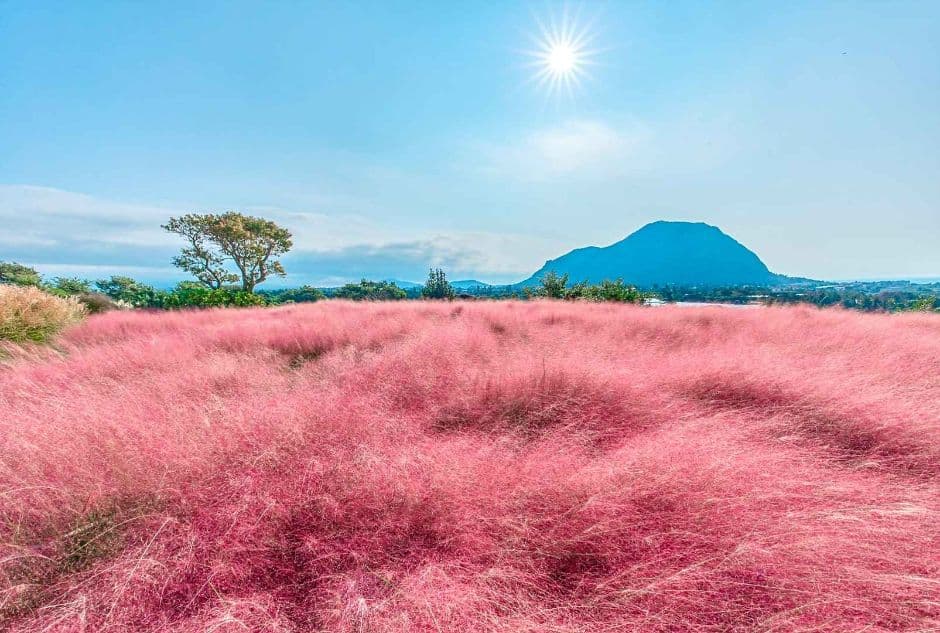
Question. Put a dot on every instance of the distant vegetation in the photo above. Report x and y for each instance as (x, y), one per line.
(880, 296)
(231, 254)
(367, 290)
(303, 294)
(125, 292)
(554, 286)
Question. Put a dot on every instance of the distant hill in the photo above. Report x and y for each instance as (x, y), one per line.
(464, 284)
(460, 284)
(404, 285)
(666, 253)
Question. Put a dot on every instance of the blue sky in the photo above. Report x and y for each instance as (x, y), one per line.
(393, 136)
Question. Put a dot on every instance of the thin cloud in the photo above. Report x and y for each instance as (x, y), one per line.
(596, 150)
(574, 148)
(74, 233)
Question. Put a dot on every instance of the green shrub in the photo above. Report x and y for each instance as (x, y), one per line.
(190, 295)
(367, 290)
(612, 291)
(552, 285)
(29, 314)
(304, 294)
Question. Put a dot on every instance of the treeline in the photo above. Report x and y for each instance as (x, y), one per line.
(925, 298)
(893, 296)
(125, 292)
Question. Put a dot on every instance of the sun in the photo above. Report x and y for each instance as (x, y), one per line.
(562, 54)
(562, 59)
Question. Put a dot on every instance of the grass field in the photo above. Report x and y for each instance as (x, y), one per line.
(474, 467)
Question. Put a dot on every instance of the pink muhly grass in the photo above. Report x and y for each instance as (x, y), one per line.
(490, 466)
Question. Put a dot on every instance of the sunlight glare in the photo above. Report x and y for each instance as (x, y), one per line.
(561, 59)
(561, 55)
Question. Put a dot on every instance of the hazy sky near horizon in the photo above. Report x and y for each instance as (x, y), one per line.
(391, 136)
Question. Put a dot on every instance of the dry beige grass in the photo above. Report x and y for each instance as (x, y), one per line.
(29, 314)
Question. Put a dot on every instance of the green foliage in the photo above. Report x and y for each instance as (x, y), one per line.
(926, 304)
(580, 290)
(867, 296)
(304, 294)
(192, 295)
(251, 244)
(202, 258)
(130, 291)
(68, 286)
(552, 286)
(367, 290)
(612, 291)
(437, 286)
(18, 275)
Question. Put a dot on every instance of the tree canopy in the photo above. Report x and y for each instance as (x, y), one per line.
(128, 290)
(69, 286)
(437, 286)
(18, 274)
(552, 285)
(252, 244)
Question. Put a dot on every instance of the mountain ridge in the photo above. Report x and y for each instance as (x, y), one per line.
(665, 253)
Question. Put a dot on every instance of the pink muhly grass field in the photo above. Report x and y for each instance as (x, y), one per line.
(482, 466)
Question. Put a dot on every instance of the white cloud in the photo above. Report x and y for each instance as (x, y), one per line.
(62, 232)
(48, 217)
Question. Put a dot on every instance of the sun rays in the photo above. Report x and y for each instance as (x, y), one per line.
(561, 55)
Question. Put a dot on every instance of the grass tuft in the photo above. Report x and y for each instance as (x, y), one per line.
(28, 314)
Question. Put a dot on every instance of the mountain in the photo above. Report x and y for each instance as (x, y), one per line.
(666, 253)
(465, 284)
(404, 285)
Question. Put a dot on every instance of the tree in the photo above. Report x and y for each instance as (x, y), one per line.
(251, 244)
(926, 304)
(18, 275)
(437, 286)
(69, 286)
(129, 291)
(553, 285)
